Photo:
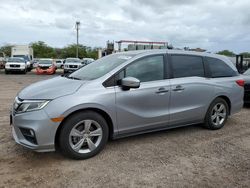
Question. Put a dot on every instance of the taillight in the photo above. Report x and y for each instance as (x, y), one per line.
(240, 82)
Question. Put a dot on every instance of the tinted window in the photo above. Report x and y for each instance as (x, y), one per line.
(147, 69)
(218, 68)
(186, 66)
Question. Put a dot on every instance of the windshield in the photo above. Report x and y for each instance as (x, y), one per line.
(25, 57)
(247, 72)
(19, 60)
(100, 67)
(73, 60)
(49, 62)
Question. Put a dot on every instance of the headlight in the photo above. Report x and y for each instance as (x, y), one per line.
(30, 105)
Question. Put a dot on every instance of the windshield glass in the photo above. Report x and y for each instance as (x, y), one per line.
(101, 67)
(25, 57)
(49, 62)
(247, 72)
(19, 60)
(73, 60)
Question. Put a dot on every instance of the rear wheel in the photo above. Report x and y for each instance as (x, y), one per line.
(217, 114)
(83, 135)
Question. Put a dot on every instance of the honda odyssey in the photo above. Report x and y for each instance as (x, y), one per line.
(125, 94)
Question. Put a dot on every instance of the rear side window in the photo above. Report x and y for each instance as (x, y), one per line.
(219, 68)
(187, 66)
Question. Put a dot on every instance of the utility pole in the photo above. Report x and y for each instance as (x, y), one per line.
(77, 37)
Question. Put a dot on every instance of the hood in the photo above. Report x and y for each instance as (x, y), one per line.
(19, 63)
(73, 63)
(50, 89)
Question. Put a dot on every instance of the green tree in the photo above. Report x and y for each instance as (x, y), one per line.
(226, 53)
(6, 49)
(42, 50)
(245, 54)
(83, 51)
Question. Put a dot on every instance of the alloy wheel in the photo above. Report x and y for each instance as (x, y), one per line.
(218, 114)
(85, 136)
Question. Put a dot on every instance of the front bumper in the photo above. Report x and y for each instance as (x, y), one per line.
(45, 71)
(40, 124)
(15, 69)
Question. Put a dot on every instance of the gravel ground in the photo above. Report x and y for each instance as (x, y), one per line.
(183, 157)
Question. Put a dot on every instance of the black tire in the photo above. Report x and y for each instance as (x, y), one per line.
(68, 125)
(6, 72)
(25, 71)
(209, 122)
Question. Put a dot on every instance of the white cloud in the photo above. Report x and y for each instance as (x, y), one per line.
(214, 24)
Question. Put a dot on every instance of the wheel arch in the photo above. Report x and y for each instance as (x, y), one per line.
(104, 114)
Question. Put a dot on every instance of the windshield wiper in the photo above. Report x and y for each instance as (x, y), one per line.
(70, 77)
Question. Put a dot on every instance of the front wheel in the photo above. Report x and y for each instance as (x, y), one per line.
(83, 135)
(217, 114)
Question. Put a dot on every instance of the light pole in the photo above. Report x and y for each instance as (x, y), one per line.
(77, 37)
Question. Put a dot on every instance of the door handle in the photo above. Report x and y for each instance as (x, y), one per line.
(162, 90)
(178, 88)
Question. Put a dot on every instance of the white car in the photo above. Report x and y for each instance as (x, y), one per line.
(16, 64)
(87, 61)
(72, 64)
(59, 63)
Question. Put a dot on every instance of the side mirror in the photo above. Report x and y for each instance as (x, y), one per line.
(130, 82)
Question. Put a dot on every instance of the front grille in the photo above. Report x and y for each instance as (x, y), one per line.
(44, 68)
(73, 66)
(14, 66)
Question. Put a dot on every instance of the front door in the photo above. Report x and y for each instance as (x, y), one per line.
(147, 107)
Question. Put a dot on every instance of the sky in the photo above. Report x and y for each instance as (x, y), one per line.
(212, 24)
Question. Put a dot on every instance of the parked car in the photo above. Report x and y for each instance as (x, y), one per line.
(246, 75)
(124, 94)
(59, 63)
(15, 64)
(86, 61)
(72, 64)
(35, 62)
(46, 66)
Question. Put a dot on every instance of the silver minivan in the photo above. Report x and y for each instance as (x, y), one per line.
(124, 94)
